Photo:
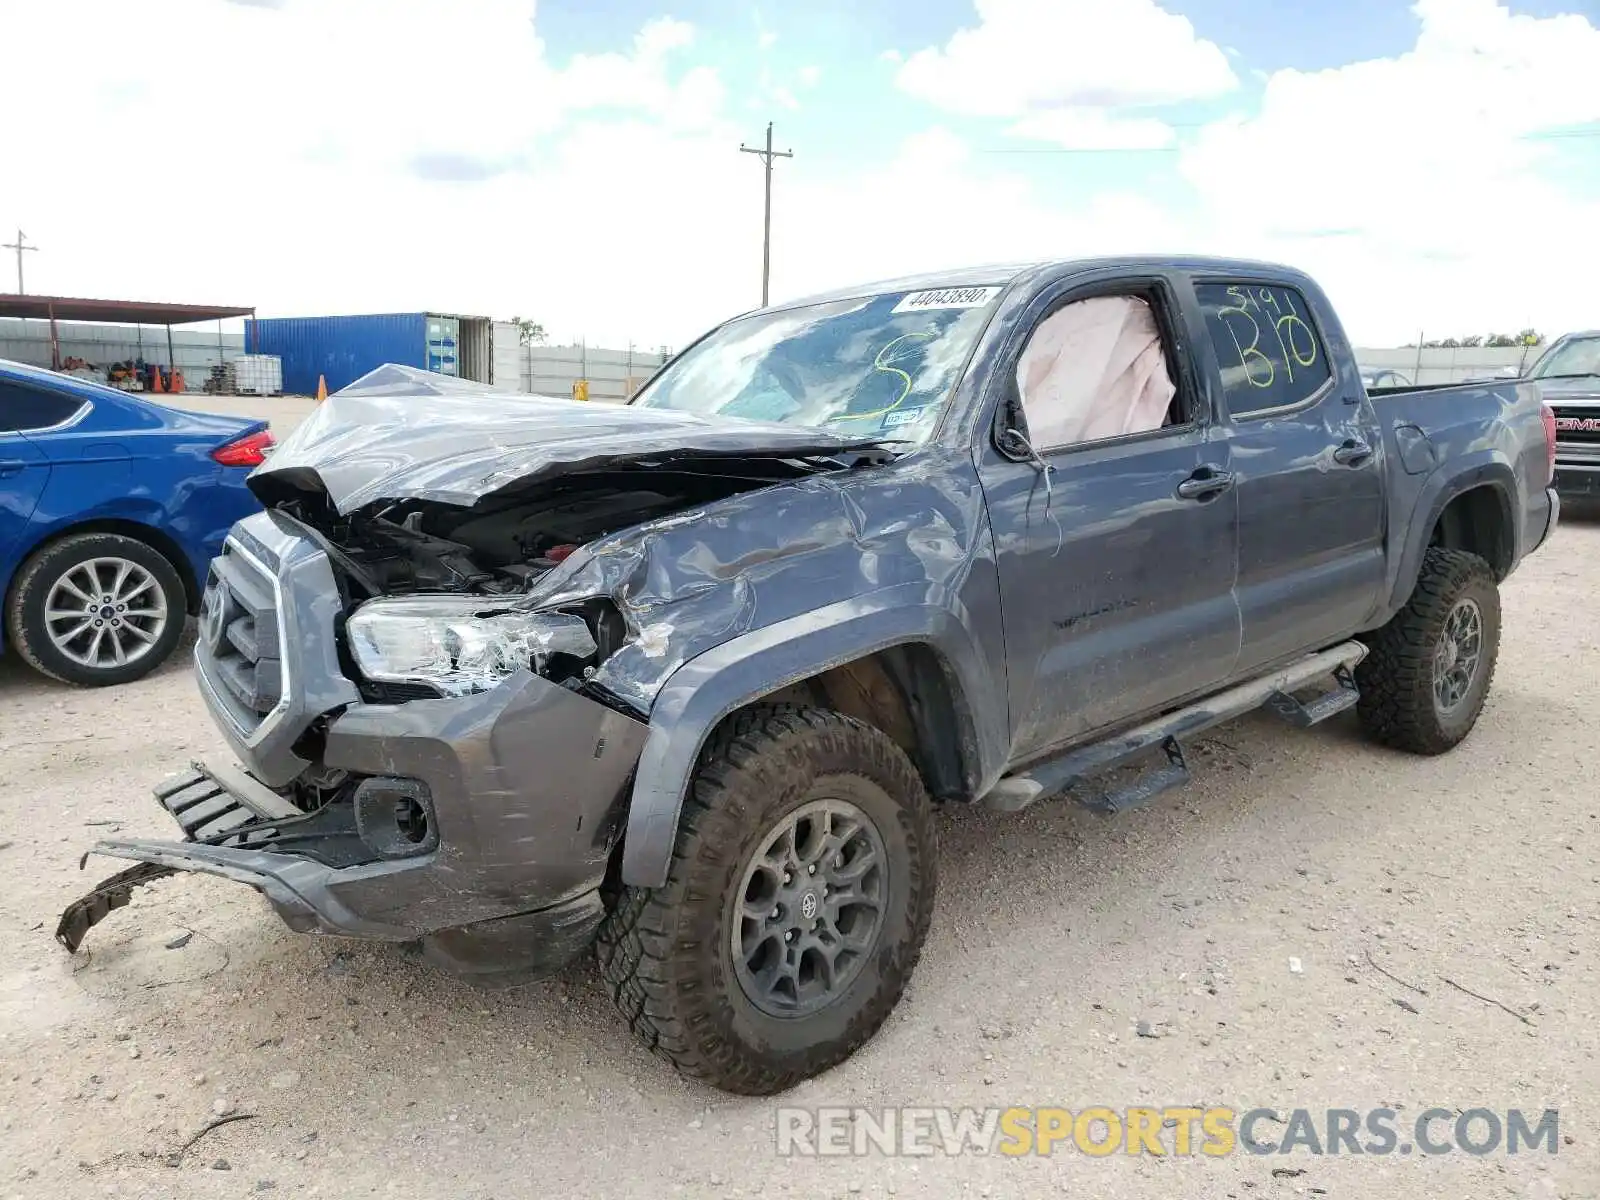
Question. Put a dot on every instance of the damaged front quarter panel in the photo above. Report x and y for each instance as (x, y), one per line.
(758, 591)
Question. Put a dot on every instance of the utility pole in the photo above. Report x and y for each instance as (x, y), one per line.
(20, 245)
(767, 156)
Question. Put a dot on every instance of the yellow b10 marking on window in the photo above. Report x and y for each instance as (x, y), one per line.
(1285, 327)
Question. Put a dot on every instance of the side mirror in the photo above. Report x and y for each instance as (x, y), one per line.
(1009, 437)
(1014, 445)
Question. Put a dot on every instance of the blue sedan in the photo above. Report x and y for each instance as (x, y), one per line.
(111, 509)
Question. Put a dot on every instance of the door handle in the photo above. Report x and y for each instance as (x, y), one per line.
(1207, 481)
(1352, 452)
(11, 466)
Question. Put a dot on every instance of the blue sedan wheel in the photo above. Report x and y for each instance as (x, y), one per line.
(106, 612)
(96, 609)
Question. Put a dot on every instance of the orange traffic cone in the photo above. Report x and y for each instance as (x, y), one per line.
(322, 388)
(156, 382)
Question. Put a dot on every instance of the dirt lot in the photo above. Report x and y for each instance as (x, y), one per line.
(1057, 933)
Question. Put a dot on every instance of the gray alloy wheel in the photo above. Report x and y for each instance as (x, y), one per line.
(105, 612)
(811, 906)
(1457, 655)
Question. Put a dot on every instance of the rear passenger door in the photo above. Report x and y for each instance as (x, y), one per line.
(24, 466)
(1114, 525)
(1306, 461)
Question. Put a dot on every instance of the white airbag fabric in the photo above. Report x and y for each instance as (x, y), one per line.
(1094, 369)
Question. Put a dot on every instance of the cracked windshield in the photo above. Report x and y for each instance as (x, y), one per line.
(882, 364)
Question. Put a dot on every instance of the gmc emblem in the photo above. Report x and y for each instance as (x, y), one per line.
(1578, 424)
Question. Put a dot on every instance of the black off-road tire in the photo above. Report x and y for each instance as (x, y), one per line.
(1396, 679)
(24, 615)
(665, 953)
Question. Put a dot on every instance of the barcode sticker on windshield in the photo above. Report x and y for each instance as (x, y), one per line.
(967, 297)
(901, 416)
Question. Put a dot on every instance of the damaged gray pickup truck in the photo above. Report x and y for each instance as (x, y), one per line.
(683, 680)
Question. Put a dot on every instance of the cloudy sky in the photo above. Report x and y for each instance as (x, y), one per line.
(1437, 165)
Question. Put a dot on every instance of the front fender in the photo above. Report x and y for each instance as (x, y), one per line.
(724, 679)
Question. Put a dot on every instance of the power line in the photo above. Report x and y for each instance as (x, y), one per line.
(767, 156)
(19, 246)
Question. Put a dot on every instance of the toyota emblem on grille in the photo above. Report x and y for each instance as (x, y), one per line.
(214, 618)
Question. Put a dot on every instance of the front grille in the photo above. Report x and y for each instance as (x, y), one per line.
(241, 643)
(1577, 426)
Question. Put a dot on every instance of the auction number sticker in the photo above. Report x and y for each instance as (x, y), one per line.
(966, 297)
(901, 416)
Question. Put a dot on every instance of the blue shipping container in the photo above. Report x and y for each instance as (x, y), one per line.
(338, 349)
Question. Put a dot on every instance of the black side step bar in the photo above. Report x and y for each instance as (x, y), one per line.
(1304, 714)
(1051, 778)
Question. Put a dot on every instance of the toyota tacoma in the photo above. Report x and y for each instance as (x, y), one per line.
(684, 680)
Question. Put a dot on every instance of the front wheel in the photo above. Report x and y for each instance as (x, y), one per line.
(1427, 673)
(96, 609)
(799, 897)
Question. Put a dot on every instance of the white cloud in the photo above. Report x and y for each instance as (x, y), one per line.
(369, 156)
(809, 75)
(934, 204)
(366, 156)
(1027, 55)
(1094, 129)
(1411, 183)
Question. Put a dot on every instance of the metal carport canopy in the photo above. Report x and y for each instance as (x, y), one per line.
(126, 312)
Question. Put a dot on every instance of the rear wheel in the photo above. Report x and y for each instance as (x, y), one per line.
(1428, 672)
(96, 609)
(800, 893)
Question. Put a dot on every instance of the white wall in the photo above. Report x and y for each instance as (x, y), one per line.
(1448, 365)
(196, 347)
(613, 375)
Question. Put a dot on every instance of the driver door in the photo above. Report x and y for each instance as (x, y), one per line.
(1116, 534)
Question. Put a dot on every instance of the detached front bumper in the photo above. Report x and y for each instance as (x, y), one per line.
(524, 789)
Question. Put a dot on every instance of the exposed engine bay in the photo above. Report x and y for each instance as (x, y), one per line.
(472, 534)
(505, 545)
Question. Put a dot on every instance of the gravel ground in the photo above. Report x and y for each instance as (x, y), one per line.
(366, 1073)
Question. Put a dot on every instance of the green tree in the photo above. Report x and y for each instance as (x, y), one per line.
(528, 332)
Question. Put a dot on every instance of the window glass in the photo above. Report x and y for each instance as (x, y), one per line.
(1577, 357)
(25, 408)
(1266, 345)
(1094, 369)
(877, 365)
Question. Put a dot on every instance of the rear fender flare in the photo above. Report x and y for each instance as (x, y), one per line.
(1463, 474)
(741, 671)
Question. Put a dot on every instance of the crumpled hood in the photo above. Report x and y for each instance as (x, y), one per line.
(402, 433)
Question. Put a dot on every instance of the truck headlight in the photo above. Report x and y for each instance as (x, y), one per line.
(458, 644)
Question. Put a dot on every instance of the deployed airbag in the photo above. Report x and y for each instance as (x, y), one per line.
(1094, 369)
